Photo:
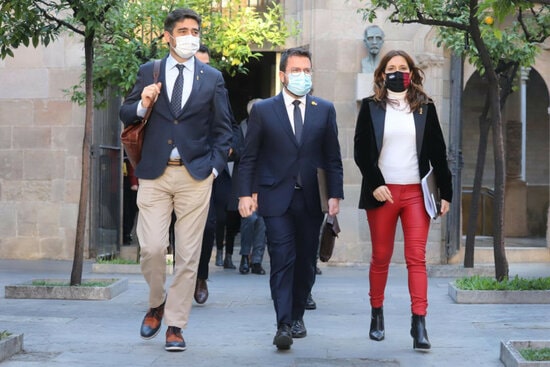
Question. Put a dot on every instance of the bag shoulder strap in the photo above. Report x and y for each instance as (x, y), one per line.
(156, 72)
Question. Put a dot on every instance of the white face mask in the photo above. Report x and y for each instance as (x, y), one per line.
(186, 46)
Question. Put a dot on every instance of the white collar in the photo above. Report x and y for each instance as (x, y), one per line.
(171, 63)
(289, 99)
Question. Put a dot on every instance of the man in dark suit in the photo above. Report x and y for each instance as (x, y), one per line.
(290, 136)
(187, 141)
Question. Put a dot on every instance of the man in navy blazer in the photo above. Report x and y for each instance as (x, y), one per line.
(290, 136)
(187, 141)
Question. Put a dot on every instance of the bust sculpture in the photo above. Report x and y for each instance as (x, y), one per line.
(373, 39)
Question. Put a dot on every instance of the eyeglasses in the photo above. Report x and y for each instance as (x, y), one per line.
(298, 71)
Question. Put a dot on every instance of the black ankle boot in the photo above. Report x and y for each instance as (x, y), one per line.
(377, 324)
(228, 262)
(419, 333)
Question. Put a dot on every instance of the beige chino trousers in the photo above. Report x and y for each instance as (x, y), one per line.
(175, 190)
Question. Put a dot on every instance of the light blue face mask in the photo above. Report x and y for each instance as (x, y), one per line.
(300, 84)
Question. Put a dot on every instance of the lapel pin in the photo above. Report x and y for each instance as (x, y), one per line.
(313, 103)
(420, 112)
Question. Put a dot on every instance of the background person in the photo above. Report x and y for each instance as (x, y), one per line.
(397, 138)
(218, 204)
(253, 239)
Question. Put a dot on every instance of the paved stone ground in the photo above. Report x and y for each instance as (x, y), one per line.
(236, 325)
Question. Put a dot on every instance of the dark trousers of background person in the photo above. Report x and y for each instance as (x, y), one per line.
(129, 212)
(409, 206)
(227, 226)
(253, 238)
(293, 240)
(207, 242)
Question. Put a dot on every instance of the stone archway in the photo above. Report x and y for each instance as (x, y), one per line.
(528, 176)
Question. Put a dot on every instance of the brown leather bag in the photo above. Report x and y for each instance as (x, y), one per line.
(132, 135)
(329, 232)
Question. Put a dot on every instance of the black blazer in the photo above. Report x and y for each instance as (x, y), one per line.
(430, 148)
(201, 131)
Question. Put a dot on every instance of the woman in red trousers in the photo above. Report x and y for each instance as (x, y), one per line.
(397, 138)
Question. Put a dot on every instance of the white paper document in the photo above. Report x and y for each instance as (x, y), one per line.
(432, 201)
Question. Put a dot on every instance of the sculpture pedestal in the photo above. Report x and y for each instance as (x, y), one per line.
(363, 86)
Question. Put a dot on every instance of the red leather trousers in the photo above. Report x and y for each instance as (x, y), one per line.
(408, 206)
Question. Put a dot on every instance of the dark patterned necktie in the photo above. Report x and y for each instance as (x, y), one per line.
(298, 123)
(175, 102)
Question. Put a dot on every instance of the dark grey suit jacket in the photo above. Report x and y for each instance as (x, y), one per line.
(273, 158)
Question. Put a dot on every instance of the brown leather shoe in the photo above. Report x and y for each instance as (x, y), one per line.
(152, 321)
(174, 340)
(201, 291)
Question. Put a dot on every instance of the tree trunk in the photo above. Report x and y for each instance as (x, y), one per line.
(76, 273)
(501, 263)
(484, 127)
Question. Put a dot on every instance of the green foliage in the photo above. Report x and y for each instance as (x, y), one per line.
(116, 261)
(4, 334)
(134, 35)
(530, 354)
(480, 283)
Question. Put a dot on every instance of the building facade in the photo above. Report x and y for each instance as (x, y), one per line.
(41, 133)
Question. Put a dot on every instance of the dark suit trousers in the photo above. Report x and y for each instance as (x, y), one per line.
(293, 239)
(207, 240)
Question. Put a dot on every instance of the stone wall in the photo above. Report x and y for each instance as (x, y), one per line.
(40, 148)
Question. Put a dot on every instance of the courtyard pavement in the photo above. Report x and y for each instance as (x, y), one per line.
(236, 325)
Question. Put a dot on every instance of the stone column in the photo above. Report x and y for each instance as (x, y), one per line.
(515, 199)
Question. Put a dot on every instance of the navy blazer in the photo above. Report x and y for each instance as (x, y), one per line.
(430, 149)
(272, 157)
(201, 132)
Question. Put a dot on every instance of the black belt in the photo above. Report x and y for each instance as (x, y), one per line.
(175, 162)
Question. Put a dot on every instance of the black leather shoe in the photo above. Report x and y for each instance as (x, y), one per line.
(419, 334)
(257, 269)
(283, 337)
(150, 326)
(318, 271)
(201, 291)
(244, 268)
(377, 324)
(228, 262)
(298, 329)
(310, 303)
(174, 340)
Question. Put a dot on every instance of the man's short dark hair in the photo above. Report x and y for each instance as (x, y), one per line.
(177, 15)
(295, 51)
(204, 49)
